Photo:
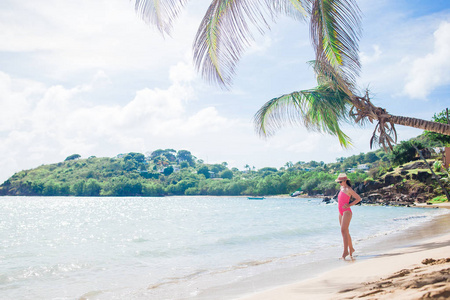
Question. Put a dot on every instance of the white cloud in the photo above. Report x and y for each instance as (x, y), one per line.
(63, 37)
(49, 123)
(433, 70)
(367, 58)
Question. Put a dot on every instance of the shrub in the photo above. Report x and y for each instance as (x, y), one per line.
(437, 166)
(439, 199)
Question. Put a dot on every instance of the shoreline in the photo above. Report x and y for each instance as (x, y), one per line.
(398, 262)
(263, 282)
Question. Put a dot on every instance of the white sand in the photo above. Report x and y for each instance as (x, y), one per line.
(378, 278)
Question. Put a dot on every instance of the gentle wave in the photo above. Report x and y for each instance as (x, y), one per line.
(407, 218)
(169, 248)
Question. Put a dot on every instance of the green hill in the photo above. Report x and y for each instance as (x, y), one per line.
(171, 172)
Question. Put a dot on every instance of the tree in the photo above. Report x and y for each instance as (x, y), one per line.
(335, 29)
(134, 161)
(217, 168)
(156, 153)
(442, 117)
(167, 171)
(161, 161)
(204, 170)
(289, 164)
(138, 157)
(78, 188)
(184, 155)
(370, 157)
(227, 174)
(72, 157)
(310, 185)
(92, 188)
(404, 152)
(170, 157)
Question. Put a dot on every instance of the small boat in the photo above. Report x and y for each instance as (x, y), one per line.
(296, 193)
(255, 198)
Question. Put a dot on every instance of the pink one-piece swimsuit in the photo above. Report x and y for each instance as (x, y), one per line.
(343, 199)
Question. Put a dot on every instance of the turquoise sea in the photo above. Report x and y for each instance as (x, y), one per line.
(178, 247)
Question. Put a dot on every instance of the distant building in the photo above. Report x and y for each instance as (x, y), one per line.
(363, 167)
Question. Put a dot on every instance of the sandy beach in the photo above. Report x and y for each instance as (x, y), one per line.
(420, 270)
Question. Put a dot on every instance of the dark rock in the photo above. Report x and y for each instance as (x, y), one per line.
(375, 197)
(416, 165)
(359, 188)
(328, 200)
(370, 186)
(392, 179)
(422, 176)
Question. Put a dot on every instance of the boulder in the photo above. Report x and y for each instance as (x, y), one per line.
(359, 189)
(392, 179)
(416, 165)
(368, 186)
(422, 176)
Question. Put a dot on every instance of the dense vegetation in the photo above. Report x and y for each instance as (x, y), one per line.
(171, 172)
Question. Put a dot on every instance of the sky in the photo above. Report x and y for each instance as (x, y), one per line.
(91, 78)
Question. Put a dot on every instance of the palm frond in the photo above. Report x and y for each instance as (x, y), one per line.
(335, 32)
(326, 74)
(297, 9)
(160, 13)
(226, 31)
(321, 109)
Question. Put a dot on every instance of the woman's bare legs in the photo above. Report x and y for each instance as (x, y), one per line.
(344, 220)
(350, 245)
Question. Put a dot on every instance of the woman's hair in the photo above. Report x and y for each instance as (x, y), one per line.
(348, 183)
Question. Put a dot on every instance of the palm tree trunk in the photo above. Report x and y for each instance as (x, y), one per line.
(421, 124)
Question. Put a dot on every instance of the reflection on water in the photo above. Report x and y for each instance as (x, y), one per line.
(179, 247)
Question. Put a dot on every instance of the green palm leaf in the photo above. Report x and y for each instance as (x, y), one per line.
(160, 13)
(321, 109)
(335, 32)
(227, 30)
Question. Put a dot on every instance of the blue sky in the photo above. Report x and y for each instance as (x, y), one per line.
(90, 77)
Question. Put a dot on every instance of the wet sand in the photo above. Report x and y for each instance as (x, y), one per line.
(415, 266)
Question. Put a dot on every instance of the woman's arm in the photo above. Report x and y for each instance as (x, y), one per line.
(356, 196)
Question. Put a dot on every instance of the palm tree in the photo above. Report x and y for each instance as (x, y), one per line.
(335, 28)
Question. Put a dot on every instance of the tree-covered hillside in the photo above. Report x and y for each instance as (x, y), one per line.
(171, 172)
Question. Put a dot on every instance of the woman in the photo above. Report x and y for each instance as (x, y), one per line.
(345, 213)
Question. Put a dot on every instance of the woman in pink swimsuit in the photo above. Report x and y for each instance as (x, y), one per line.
(345, 213)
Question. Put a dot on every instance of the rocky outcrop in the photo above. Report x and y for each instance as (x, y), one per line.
(399, 189)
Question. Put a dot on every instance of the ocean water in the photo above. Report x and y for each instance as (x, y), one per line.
(174, 247)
